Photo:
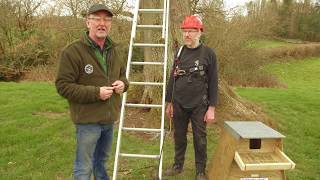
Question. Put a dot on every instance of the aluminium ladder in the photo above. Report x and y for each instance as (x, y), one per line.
(135, 25)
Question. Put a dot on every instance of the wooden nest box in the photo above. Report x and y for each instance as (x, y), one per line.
(249, 150)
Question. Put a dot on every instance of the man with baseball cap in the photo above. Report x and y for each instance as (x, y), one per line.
(91, 76)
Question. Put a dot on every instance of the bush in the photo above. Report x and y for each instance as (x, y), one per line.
(26, 51)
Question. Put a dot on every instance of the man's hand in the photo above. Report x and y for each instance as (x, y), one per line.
(106, 92)
(118, 86)
(169, 110)
(209, 116)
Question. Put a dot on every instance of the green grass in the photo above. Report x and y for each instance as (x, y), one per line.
(33, 146)
(267, 43)
(37, 139)
(297, 111)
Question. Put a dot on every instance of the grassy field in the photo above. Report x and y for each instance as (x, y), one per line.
(296, 109)
(37, 138)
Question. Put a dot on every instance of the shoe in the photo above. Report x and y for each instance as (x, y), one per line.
(174, 170)
(201, 176)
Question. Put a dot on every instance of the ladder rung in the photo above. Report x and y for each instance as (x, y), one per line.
(150, 26)
(147, 63)
(144, 105)
(146, 83)
(151, 10)
(141, 129)
(140, 156)
(148, 45)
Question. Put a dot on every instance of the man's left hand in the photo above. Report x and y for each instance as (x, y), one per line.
(118, 86)
(209, 116)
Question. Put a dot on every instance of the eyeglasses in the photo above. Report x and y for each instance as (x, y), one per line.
(189, 31)
(99, 19)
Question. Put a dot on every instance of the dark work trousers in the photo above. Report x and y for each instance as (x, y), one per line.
(181, 118)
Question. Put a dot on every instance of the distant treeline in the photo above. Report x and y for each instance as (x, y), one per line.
(293, 19)
(33, 32)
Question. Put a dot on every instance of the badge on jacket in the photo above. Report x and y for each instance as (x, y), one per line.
(88, 69)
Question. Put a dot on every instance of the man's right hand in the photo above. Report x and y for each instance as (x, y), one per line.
(169, 110)
(106, 92)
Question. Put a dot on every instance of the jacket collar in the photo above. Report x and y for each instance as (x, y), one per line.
(89, 42)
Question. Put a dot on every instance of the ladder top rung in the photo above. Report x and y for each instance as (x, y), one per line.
(149, 26)
(147, 63)
(141, 129)
(140, 156)
(151, 10)
(148, 45)
(146, 83)
(143, 105)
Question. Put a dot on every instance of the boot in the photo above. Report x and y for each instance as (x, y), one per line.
(201, 176)
(174, 170)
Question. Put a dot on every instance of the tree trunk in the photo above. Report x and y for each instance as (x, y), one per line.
(152, 73)
(178, 10)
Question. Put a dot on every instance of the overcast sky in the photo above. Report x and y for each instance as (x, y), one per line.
(227, 3)
(232, 3)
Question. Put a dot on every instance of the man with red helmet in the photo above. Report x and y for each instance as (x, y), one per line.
(192, 95)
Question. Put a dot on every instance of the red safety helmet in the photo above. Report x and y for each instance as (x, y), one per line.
(192, 22)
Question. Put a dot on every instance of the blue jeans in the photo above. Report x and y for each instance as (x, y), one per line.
(94, 142)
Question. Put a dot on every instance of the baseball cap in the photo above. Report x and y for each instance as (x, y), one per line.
(99, 7)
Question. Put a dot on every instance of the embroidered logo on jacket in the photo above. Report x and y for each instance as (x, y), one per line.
(88, 69)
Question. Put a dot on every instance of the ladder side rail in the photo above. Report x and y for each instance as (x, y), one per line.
(124, 98)
(115, 168)
(164, 85)
(133, 35)
(164, 18)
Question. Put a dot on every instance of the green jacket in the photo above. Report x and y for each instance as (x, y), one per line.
(81, 74)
